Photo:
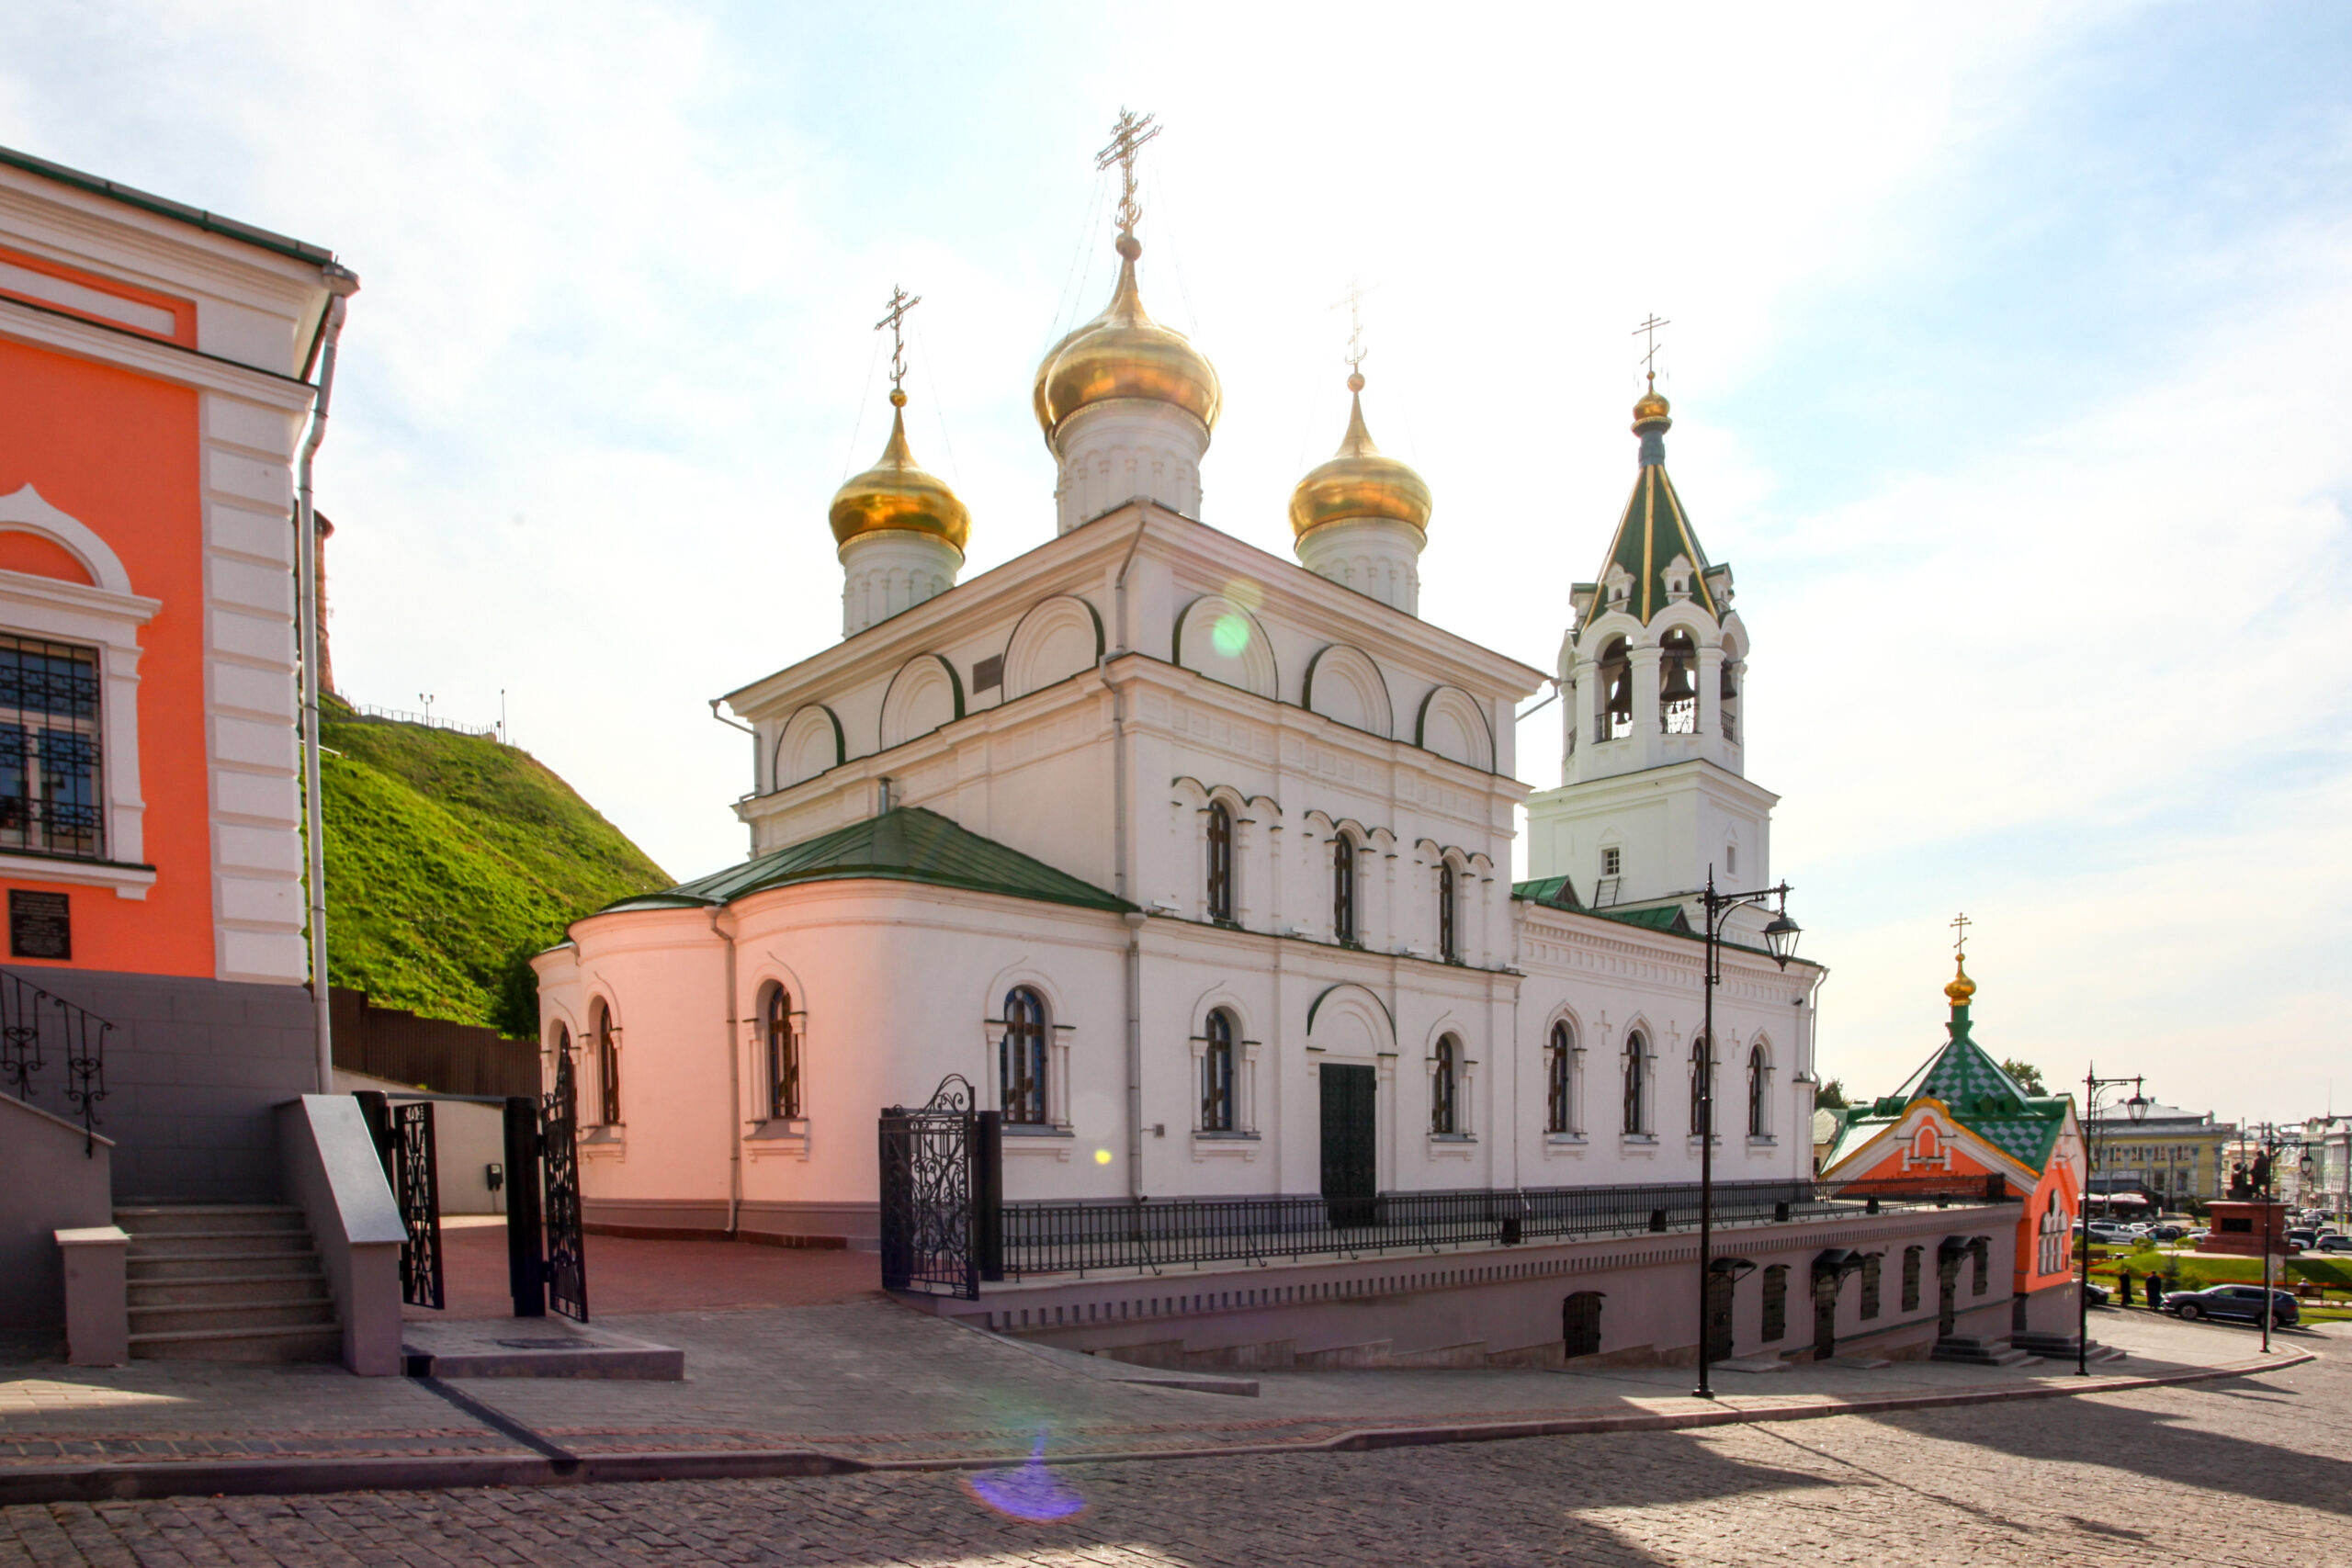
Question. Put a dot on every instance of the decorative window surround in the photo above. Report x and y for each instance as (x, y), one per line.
(1208, 1145)
(1030, 1138)
(786, 1136)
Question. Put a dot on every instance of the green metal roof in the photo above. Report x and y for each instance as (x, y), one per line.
(211, 222)
(1980, 1096)
(1654, 530)
(906, 844)
(1663, 918)
(1557, 891)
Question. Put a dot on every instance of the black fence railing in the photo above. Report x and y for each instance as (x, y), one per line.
(1085, 1237)
(39, 1030)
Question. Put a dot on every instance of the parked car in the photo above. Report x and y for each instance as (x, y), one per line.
(2306, 1239)
(2096, 1294)
(2200, 1234)
(2335, 1243)
(2236, 1304)
(2169, 1232)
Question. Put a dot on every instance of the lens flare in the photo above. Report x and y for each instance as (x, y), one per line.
(1230, 635)
(1029, 1492)
(1102, 1156)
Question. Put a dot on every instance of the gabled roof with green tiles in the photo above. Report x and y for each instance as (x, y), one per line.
(1663, 918)
(905, 844)
(1978, 1094)
(1557, 891)
(1654, 530)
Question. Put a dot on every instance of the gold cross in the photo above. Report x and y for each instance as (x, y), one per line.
(1353, 300)
(1959, 940)
(1649, 329)
(901, 303)
(1128, 136)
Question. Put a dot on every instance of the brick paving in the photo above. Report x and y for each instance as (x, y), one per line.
(2250, 1470)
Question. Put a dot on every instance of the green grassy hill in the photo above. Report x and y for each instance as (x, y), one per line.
(450, 857)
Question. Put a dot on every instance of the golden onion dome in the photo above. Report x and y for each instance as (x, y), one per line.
(1359, 483)
(897, 493)
(1651, 409)
(1123, 353)
(1962, 988)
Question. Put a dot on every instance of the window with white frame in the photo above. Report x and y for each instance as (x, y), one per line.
(1760, 1093)
(50, 798)
(1217, 1073)
(1637, 1097)
(780, 1050)
(1559, 1078)
(1449, 932)
(1445, 1088)
(1613, 860)
(1343, 890)
(1020, 1064)
(606, 1040)
(1220, 868)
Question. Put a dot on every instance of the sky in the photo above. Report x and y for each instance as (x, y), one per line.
(2010, 353)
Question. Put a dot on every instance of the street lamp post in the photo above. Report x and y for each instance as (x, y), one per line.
(2265, 1165)
(2137, 1107)
(1780, 935)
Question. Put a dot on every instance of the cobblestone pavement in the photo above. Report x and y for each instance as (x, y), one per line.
(2251, 1470)
(875, 1379)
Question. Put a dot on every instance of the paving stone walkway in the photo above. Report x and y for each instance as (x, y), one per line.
(2245, 1472)
(876, 1381)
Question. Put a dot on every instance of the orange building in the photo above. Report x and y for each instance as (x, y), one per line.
(1959, 1115)
(153, 366)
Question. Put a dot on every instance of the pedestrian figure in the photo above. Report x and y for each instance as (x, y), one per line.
(2123, 1286)
(2155, 1292)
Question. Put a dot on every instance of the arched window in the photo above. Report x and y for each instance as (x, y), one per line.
(1343, 889)
(1021, 1057)
(1216, 1075)
(1702, 1071)
(608, 1063)
(1727, 695)
(1637, 1099)
(1760, 1096)
(1220, 863)
(780, 1047)
(1559, 1109)
(1445, 1115)
(1677, 694)
(1449, 944)
(1615, 720)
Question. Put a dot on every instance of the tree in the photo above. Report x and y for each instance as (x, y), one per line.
(514, 999)
(2028, 1076)
(1830, 1096)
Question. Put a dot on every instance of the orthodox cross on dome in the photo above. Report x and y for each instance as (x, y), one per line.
(1960, 935)
(1357, 353)
(1127, 137)
(901, 303)
(1649, 355)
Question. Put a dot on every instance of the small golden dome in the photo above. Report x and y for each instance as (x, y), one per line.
(1123, 353)
(1651, 408)
(896, 493)
(1359, 482)
(1961, 987)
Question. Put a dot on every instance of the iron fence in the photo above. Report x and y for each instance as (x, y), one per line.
(1091, 1236)
(36, 1028)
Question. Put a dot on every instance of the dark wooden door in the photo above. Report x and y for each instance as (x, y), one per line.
(1947, 1290)
(1719, 1297)
(1825, 1282)
(1350, 1173)
(1580, 1324)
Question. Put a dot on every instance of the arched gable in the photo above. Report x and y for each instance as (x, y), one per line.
(1348, 1020)
(924, 694)
(1060, 638)
(1220, 639)
(810, 743)
(24, 510)
(1344, 685)
(1452, 725)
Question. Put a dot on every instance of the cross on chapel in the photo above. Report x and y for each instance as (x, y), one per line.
(1128, 136)
(1649, 356)
(901, 303)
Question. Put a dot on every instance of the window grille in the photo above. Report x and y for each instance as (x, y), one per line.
(608, 1066)
(1559, 1112)
(1021, 1057)
(1449, 946)
(1216, 1075)
(1776, 1302)
(1343, 890)
(783, 1049)
(1636, 1091)
(1869, 1284)
(1444, 1098)
(1911, 1278)
(1220, 863)
(50, 801)
(1759, 1095)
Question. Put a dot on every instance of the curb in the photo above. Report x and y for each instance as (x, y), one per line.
(246, 1478)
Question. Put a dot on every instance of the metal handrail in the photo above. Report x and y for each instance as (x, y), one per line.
(33, 1021)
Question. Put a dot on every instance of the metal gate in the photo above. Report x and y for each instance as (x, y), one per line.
(567, 1263)
(1350, 1162)
(1580, 1324)
(403, 1135)
(941, 1194)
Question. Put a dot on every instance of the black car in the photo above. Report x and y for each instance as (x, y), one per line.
(2238, 1303)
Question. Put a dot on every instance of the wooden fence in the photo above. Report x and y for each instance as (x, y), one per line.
(433, 1052)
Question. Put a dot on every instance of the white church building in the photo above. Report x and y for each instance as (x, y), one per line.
(1194, 863)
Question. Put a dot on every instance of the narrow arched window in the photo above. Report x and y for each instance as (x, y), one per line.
(608, 1064)
(1615, 720)
(1727, 695)
(1559, 1112)
(1021, 1063)
(1637, 1108)
(780, 1045)
(1217, 1074)
(1759, 1098)
(1220, 863)
(1343, 889)
(1445, 1114)
(1449, 941)
(1678, 693)
(1702, 1069)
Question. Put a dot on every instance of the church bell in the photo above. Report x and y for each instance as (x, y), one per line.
(1679, 688)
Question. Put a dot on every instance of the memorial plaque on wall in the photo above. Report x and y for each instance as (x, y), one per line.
(40, 925)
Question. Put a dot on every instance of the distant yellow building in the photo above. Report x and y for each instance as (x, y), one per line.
(2170, 1155)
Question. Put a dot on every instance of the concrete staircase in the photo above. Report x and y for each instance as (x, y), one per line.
(1981, 1352)
(2061, 1346)
(227, 1283)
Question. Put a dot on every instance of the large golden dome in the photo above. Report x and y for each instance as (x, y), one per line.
(1123, 353)
(896, 493)
(1359, 482)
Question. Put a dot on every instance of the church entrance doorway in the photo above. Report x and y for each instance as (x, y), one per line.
(1351, 1174)
(1948, 1259)
(1829, 1272)
(1580, 1324)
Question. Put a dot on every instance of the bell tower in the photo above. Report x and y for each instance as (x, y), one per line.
(1653, 788)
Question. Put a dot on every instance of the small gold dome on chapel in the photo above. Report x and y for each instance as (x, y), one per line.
(897, 493)
(1360, 483)
(1650, 409)
(1962, 988)
(1123, 353)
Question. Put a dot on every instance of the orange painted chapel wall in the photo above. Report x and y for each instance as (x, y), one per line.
(120, 452)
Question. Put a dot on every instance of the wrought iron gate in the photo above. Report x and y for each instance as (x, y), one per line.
(1350, 1165)
(403, 1135)
(943, 1194)
(567, 1263)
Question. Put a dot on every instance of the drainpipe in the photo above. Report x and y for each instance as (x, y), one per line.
(1119, 861)
(342, 283)
(734, 1084)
